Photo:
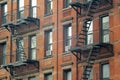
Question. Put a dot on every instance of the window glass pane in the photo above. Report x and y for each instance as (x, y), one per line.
(4, 53)
(90, 34)
(4, 13)
(105, 28)
(33, 41)
(33, 54)
(106, 72)
(48, 76)
(21, 4)
(67, 75)
(33, 8)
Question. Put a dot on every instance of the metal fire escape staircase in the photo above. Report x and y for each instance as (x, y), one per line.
(94, 49)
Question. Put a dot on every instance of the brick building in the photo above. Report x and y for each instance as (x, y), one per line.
(59, 39)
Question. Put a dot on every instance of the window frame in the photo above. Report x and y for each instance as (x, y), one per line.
(89, 34)
(33, 9)
(66, 3)
(103, 30)
(65, 74)
(48, 7)
(48, 74)
(66, 36)
(20, 9)
(101, 70)
(48, 42)
(32, 48)
(3, 47)
(4, 13)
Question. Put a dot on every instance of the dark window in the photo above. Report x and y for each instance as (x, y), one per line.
(20, 50)
(66, 3)
(105, 29)
(20, 14)
(89, 37)
(105, 71)
(3, 53)
(33, 47)
(33, 8)
(48, 42)
(67, 74)
(4, 13)
(48, 76)
(32, 78)
(48, 7)
(67, 36)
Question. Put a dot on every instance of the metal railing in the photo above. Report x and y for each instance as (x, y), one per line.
(16, 15)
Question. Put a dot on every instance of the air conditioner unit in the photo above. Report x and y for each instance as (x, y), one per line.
(67, 48)
(48, 52)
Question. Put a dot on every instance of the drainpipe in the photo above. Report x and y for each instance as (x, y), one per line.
(76, 44)
(57, 44)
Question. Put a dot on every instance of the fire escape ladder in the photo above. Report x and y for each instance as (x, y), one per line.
(83, 34)
(90, 61)
(20, 48)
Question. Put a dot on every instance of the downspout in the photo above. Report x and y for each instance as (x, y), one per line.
(76, 44)
(57, 44)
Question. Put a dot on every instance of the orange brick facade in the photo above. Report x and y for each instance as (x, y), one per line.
(60, 60)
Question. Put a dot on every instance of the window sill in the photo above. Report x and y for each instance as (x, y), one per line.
(46, 57)
(67, 8)
(48, 14)
(66, 53)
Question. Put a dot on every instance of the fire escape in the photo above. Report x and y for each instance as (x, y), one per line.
(18, 23)
(87, 9)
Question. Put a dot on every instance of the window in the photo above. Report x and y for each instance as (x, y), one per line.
(33, 8)
(32, 78)
(20, 50)
(67, 74)
(33, 47)
(91, 75)
(88, 1)
(89, 38)
(66, 3)
(4, 13)
(67, 36)
(48, 76)
(20, 9)
(3, 53)
(48, 7)
(105, 28)
(48, 42)
(105, 69)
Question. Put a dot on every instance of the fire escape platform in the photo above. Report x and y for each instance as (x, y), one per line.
(88, 47)
(20, 63)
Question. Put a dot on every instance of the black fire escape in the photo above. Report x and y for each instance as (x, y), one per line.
(87, 9)
(15, 26)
